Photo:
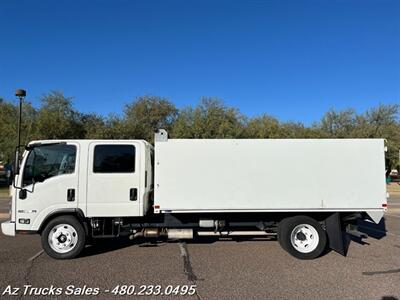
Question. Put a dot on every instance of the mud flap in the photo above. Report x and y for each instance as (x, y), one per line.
(334, 232)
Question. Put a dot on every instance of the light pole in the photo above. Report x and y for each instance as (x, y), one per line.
(20, 93)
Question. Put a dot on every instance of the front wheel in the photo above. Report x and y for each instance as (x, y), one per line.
(302, 236)
(63, 237)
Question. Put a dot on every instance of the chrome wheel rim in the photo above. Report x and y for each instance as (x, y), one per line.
(304, 238)
(63, 238)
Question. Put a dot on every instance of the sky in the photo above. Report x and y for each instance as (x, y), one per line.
(291, 59)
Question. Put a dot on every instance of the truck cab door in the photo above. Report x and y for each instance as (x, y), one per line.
(113, 179)
(49, 182)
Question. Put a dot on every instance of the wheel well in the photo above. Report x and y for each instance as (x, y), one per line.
(318, 216)
(78, 213)
(332, 225)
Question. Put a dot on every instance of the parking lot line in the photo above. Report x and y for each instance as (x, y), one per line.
(36, 255)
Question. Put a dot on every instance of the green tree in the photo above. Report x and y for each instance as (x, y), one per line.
(57, 119)
(145, 115)
(8, 127)
(296, 130)
(263, 127)
(115, 128)
(378, 122)
(210, 119)
(94, 126)
(383, 122)
(338, 124)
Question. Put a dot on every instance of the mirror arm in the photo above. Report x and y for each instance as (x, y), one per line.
(14, 183)
(21, 188)
(33, 186)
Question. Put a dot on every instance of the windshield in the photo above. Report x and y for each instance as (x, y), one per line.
(48, 161)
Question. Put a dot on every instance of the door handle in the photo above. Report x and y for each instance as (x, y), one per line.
(71, 195)
(133, 194)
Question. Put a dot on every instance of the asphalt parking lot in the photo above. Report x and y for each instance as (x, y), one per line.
(223, 269)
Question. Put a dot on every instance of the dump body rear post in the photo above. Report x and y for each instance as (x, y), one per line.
(189, 188)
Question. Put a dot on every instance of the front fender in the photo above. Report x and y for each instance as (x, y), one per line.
(40, 222)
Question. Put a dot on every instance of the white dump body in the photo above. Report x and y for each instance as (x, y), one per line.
(255, 175)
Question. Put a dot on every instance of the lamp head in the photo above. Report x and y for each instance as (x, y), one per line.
(20, 93)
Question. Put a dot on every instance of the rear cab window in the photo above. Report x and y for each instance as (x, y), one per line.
(114, 159)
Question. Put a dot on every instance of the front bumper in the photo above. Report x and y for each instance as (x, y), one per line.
(8, 228)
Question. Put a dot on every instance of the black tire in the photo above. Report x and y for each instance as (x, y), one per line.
(73, 232)
(286, 228)
(281, 225)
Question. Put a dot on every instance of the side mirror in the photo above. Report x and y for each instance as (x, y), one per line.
(22, 194)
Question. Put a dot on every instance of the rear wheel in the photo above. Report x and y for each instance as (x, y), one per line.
(63, 237)
(302, 236)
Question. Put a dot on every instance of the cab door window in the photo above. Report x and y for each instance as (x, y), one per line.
(114, 159)
(47, 161)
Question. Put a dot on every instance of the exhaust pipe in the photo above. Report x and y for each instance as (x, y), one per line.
(180, 233)
(157, 232)
(151, 232)
(235, 233)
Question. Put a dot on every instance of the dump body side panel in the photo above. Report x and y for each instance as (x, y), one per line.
(270, 175)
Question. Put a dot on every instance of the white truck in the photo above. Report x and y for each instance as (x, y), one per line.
(74, 191)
